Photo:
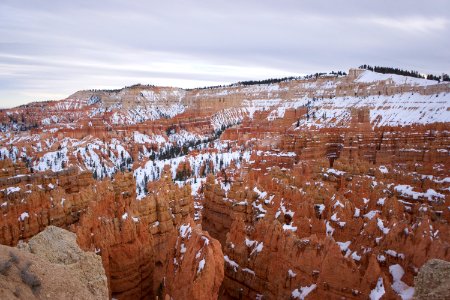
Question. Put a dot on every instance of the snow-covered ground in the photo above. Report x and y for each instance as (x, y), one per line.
(398, 109)
(152, 170)
(145, 113)
(370, 76)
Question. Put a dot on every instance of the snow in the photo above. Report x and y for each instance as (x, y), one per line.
(257, 246)
(10, 190)
(335, 172)
(291, 273)
(355, 256)
(329, 229)
(261, 195)
(289, 227)
(334, 217)
(152, 170)
(320, 207)
(247, 270)
(394, 253)
(260, 209)
(52, 161)
(225, 187)
(371, 214)
(253, 106)
(381, 226)
(182, 248)
(378, 291)
(338, 203)
(369, 76)
(185, 231)
(201, 265)
(381, 258)
(48, 121)
(303, 292)
(394, 110)
(23, 216)
(344, 245)
(381, 201)
(141, 114)
(143, 138)
(195, 185)
(284, 210)
(249, 243)
(407, 191)
(124, 216)
(402, 289)
(227, 117)
(276, 154)
(183, 137)
(232, 263)
(383, 169)
(205, 240)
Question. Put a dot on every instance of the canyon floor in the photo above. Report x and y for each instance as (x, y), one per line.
(330, 187)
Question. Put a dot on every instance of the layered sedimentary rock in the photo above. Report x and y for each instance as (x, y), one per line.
(197, 270)
(367, 217)
(52, 266)
(37, 200)
(323, 187)
(140, 241)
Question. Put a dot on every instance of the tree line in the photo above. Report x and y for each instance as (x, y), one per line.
(272, 80)
(398, 71)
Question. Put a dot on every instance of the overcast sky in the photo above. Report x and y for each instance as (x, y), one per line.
(50, 49)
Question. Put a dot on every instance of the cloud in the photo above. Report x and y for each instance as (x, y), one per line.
(413, 24)
(50, 49)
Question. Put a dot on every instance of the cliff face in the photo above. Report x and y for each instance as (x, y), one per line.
(358, 205)
(30, 202)
(322, 188)
(143, 243)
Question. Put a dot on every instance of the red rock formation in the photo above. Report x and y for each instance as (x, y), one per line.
(36, 201)
(315, 187)
(136, 239)
(197, 270)
(379, 216)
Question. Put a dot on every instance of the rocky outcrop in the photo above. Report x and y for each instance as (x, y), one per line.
(51, 266)
(136, 240)
(433, 280)
(196, 267)
(31, 202)
(359, 217)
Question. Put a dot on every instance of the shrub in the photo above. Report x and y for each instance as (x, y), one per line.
(13, 257)
(5, 266)
(29, 278)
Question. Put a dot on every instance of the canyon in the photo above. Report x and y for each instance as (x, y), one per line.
(326, 187)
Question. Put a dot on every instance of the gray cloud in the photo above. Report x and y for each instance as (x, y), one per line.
(49, 49)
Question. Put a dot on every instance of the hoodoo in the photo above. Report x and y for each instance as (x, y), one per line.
(320, 187)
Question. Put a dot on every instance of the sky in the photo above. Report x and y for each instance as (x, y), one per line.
(50, 49)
